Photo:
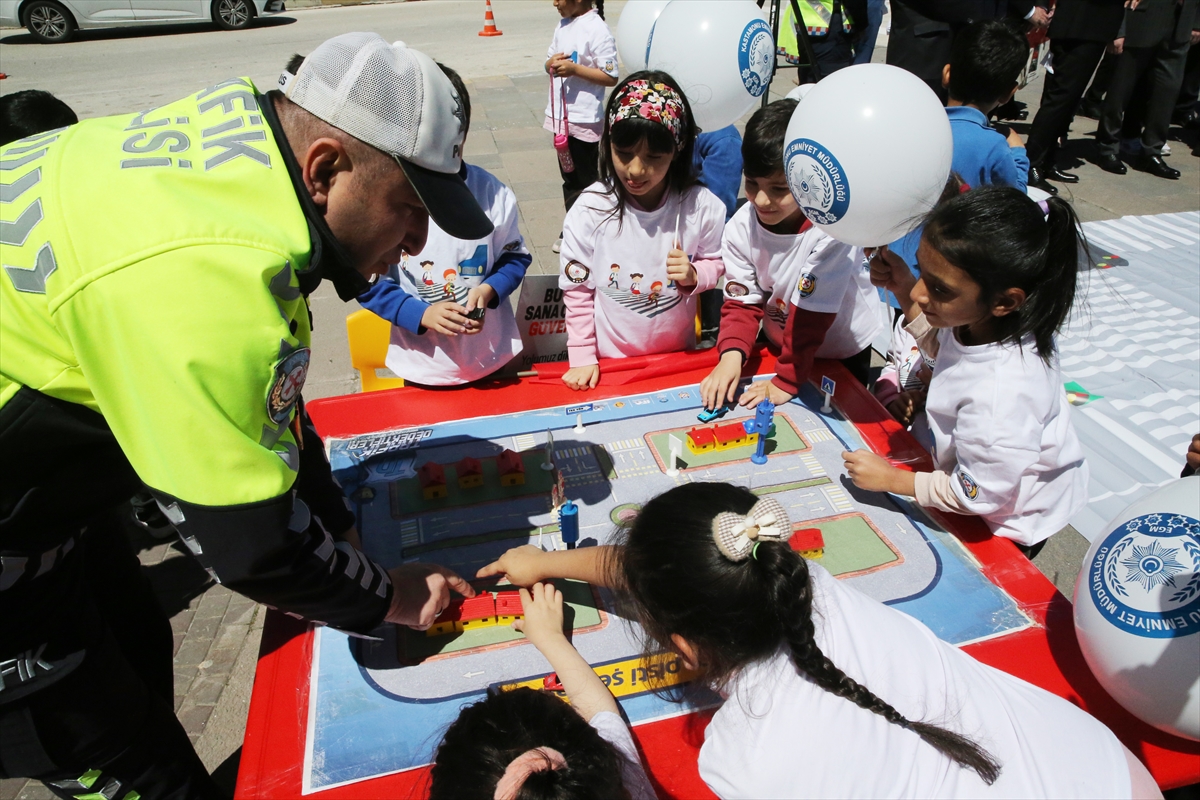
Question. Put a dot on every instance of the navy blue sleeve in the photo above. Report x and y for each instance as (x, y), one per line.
(507, 274)
(719, 166)
(397, 306)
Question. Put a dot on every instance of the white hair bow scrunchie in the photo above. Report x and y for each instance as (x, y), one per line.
(736, 535)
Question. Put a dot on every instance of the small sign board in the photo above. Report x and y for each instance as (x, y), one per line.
(827, 384)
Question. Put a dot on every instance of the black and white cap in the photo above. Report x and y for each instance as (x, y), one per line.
(397, 100)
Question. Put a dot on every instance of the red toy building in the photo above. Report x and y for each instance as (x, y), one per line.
(511, 468)
(470, 473)
(432, 478)
(508, 607)
(478, 611)
(700, 440)
(731, 434)
(808, 542)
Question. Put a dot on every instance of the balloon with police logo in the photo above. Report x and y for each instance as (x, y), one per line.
(633, 31)
(722, 54)
(1137, 608)
(867, 153)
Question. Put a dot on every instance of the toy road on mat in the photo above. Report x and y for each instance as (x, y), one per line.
(461, 493)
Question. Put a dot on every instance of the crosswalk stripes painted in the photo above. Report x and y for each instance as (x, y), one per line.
(525, 442)
(410, 533)
(837, 498)
(819, 435)
(814, 466)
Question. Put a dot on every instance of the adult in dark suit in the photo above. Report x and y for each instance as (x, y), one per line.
(1078, 34)
(1156, 38)
(923, 30)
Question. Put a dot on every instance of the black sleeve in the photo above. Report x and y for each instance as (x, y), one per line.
(275, 552)
(315, 484)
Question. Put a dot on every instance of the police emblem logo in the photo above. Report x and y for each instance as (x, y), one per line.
(511, 246)
(756, 57)
(817, 181)
(808, 284)
(1145, 576)
(290, 373)
(969, 486)
(576, 272)
(735, 289)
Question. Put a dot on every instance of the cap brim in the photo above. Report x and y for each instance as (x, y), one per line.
(449, 202)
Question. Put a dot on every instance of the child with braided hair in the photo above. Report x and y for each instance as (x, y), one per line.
(829, 693)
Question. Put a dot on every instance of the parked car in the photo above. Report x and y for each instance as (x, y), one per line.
(53, 21)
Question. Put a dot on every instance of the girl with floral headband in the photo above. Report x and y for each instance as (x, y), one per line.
(647, 214)
(829, 693)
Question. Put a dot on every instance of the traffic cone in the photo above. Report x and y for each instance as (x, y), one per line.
(489, 23)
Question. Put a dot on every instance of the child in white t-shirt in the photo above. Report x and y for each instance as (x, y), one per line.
(525, 743)
(643, 242)
(428, 297)
(829, 693)
(809, 291)
(998, 275)
(582, 61)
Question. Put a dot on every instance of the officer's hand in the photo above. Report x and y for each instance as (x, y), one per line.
(421, 592)
(448, 318)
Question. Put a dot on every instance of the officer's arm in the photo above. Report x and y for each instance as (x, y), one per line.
(198, 376)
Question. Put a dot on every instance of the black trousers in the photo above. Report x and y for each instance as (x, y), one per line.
(1161, 68)
(86, 686)
(586, 156)
(1074, 62)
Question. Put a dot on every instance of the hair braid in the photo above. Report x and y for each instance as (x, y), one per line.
(793, 609)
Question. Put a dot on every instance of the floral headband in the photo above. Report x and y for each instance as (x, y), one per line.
(656, 102)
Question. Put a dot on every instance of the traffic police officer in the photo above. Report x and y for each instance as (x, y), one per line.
(154, 329)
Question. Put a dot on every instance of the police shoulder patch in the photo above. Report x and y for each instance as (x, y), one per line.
(735, 289)
(808, 284)
(290, 372)
(969, 486)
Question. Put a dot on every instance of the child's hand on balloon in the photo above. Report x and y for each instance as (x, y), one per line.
(888, 271)
(679, 269)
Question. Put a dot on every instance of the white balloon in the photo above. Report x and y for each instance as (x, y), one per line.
(633, 31)
(867, 153)
(722, 54)
(1137, 608)
(800, 91)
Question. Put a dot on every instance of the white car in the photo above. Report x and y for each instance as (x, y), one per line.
(54, 21)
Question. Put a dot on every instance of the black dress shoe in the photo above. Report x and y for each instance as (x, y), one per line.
(1056, 174)
(1157, 167)
(1038, 179)
(1110, 163)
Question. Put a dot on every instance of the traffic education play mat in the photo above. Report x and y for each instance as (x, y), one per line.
(461, 493)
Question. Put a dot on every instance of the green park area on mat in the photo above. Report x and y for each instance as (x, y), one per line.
(786, 439)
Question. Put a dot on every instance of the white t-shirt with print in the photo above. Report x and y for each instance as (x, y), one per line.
(762, 265)
(446, 269)
(613, 730)
(1002, 428)
(587, 41)
(638, 310)
(779, 735)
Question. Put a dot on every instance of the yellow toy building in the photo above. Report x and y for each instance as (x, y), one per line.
(470, 473)
(701, 440)
(511, 469)
(432, 478)
(732, 435)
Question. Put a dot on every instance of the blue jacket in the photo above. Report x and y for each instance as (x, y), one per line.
(981, 154)
(717, 161)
